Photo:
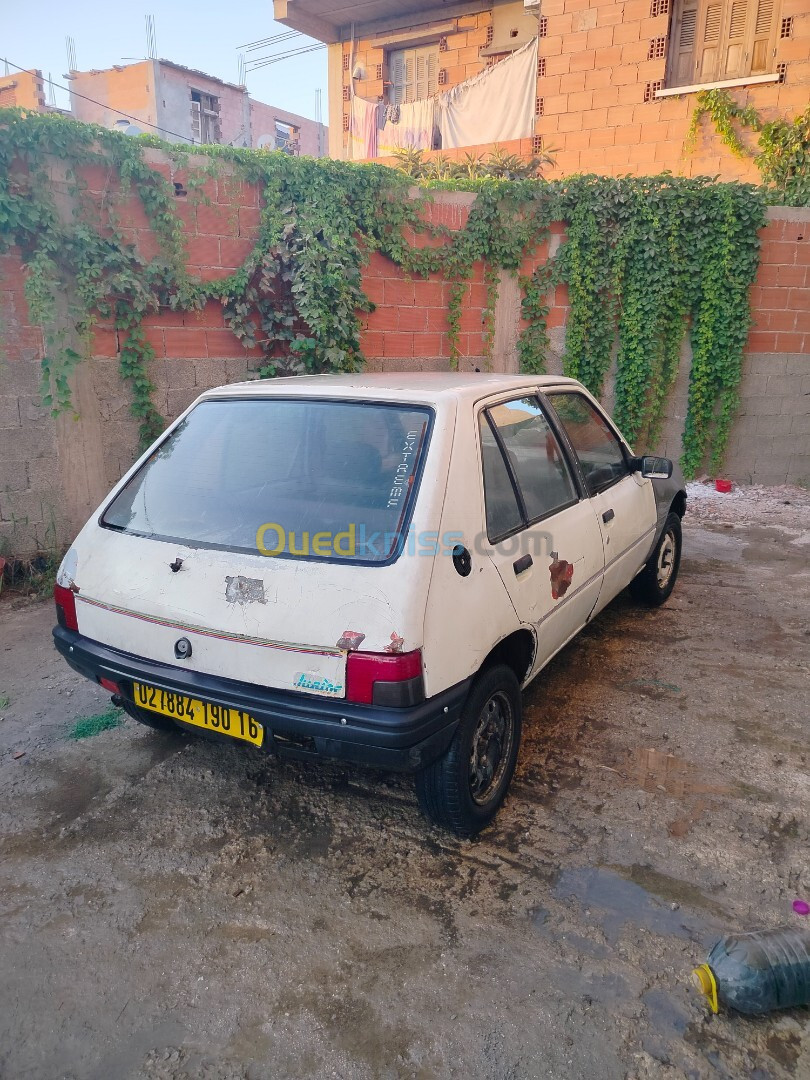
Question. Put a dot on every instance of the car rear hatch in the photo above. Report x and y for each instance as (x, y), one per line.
(266, 532)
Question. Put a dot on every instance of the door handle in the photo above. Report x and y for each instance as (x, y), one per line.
(608, 515)
(522, 564)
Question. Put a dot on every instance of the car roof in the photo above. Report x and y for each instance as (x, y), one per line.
(425, 386)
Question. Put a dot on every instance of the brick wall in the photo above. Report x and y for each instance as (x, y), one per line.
(23, 90)
(596, 86)
(53, 472)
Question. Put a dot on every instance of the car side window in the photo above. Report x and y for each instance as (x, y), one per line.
(502, 510)
(599, 451)
(533, 455)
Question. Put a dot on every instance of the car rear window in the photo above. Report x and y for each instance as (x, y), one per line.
(302, 478)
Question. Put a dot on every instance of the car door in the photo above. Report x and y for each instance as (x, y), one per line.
(623, 501)
(543, 536)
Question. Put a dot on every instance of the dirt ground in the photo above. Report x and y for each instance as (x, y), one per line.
(170, 908)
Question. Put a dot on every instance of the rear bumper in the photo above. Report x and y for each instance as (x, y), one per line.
(297, 725)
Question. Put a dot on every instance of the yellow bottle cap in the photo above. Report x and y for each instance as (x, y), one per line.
(704, 980)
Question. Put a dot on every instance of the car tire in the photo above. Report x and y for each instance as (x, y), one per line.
(147, 717)
(464, 789)
(657, 580)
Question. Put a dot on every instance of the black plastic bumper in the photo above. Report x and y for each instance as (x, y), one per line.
(297, 725)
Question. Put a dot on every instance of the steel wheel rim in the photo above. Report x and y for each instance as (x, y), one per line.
(666, 561)
(491, 747)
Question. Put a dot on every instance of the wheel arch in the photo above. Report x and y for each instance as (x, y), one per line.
(678, 505)
(516, 651)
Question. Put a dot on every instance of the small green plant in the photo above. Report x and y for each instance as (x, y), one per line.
(86, 727)
(5, 701)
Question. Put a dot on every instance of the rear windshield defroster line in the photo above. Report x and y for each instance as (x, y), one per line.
(304, 478)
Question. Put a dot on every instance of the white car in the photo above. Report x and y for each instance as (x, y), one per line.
(367, 567)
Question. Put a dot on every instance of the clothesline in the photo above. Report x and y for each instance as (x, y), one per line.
(496, 105)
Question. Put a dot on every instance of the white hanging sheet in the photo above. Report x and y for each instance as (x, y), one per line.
(364, 128)
(414, 131)
(496, 106)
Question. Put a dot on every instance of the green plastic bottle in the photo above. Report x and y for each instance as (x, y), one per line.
(758, 972)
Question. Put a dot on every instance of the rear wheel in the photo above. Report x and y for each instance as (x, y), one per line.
(657, 580)
(463, 790)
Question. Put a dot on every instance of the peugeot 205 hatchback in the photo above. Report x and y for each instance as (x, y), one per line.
(367, 568)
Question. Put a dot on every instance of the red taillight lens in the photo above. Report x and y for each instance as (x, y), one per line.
(108, 684)
(391, 679)
(65, 608)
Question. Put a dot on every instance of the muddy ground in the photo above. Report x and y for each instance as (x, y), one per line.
(170, 908)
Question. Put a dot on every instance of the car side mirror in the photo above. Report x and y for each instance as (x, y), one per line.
(653, 468)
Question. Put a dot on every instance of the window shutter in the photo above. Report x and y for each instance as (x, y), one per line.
(414, 74)
(734, 46)
(396, 73)
(196, 121)
(684, 36)
(763, 28)
(708, 48)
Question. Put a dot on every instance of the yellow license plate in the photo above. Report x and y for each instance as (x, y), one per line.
(233, 722)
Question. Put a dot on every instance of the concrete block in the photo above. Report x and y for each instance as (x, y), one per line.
(773, 425)
(752, 385)
(14, 476)
(179, 400)
(236, 369)
(800, 425)
(767, 364)
(24, 506)
(181, 373)
(798, 364)
(10, 411)
(210, 373)
(782, 385)
(30, 441)
(18, 539)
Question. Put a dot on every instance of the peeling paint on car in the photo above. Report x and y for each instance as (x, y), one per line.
(350, 640)
(396, 643)
(562, 574)
(244, 590)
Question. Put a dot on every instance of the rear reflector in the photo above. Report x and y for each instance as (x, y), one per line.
(65, 608)
(393, 680)
(108, 684)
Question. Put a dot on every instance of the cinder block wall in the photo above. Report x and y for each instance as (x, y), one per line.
(55, 471)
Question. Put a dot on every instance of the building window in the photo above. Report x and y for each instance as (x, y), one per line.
(287, 137)
(414, 74)
(714, 40)
(204, 118)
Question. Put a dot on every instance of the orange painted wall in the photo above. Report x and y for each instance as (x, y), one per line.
(24, 90)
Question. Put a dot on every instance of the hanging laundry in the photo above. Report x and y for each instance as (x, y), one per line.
(363, 129)
(496, 106)
(413, 130)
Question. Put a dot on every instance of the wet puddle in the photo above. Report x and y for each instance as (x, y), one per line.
(636, 896)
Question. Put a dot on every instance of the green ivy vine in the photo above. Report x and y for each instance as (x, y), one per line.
(783, 158)
(644, 260)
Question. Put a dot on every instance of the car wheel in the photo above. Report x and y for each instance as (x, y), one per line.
(657, 580)
(147, 717)
(463, 790)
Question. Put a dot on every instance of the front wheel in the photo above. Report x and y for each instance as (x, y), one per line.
(463, 790)
(657, 580)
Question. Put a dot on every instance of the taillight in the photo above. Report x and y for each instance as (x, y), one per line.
(389, 679)
(65, 608)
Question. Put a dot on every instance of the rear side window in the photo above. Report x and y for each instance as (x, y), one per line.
(599, 451)
(289, 477)
(526, 477)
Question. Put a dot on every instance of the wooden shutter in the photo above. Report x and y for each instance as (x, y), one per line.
(709, 42)
(396, 73)
(763, 30)
(733, 63)
(414, 74)
(196, 121)
(682, 50)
